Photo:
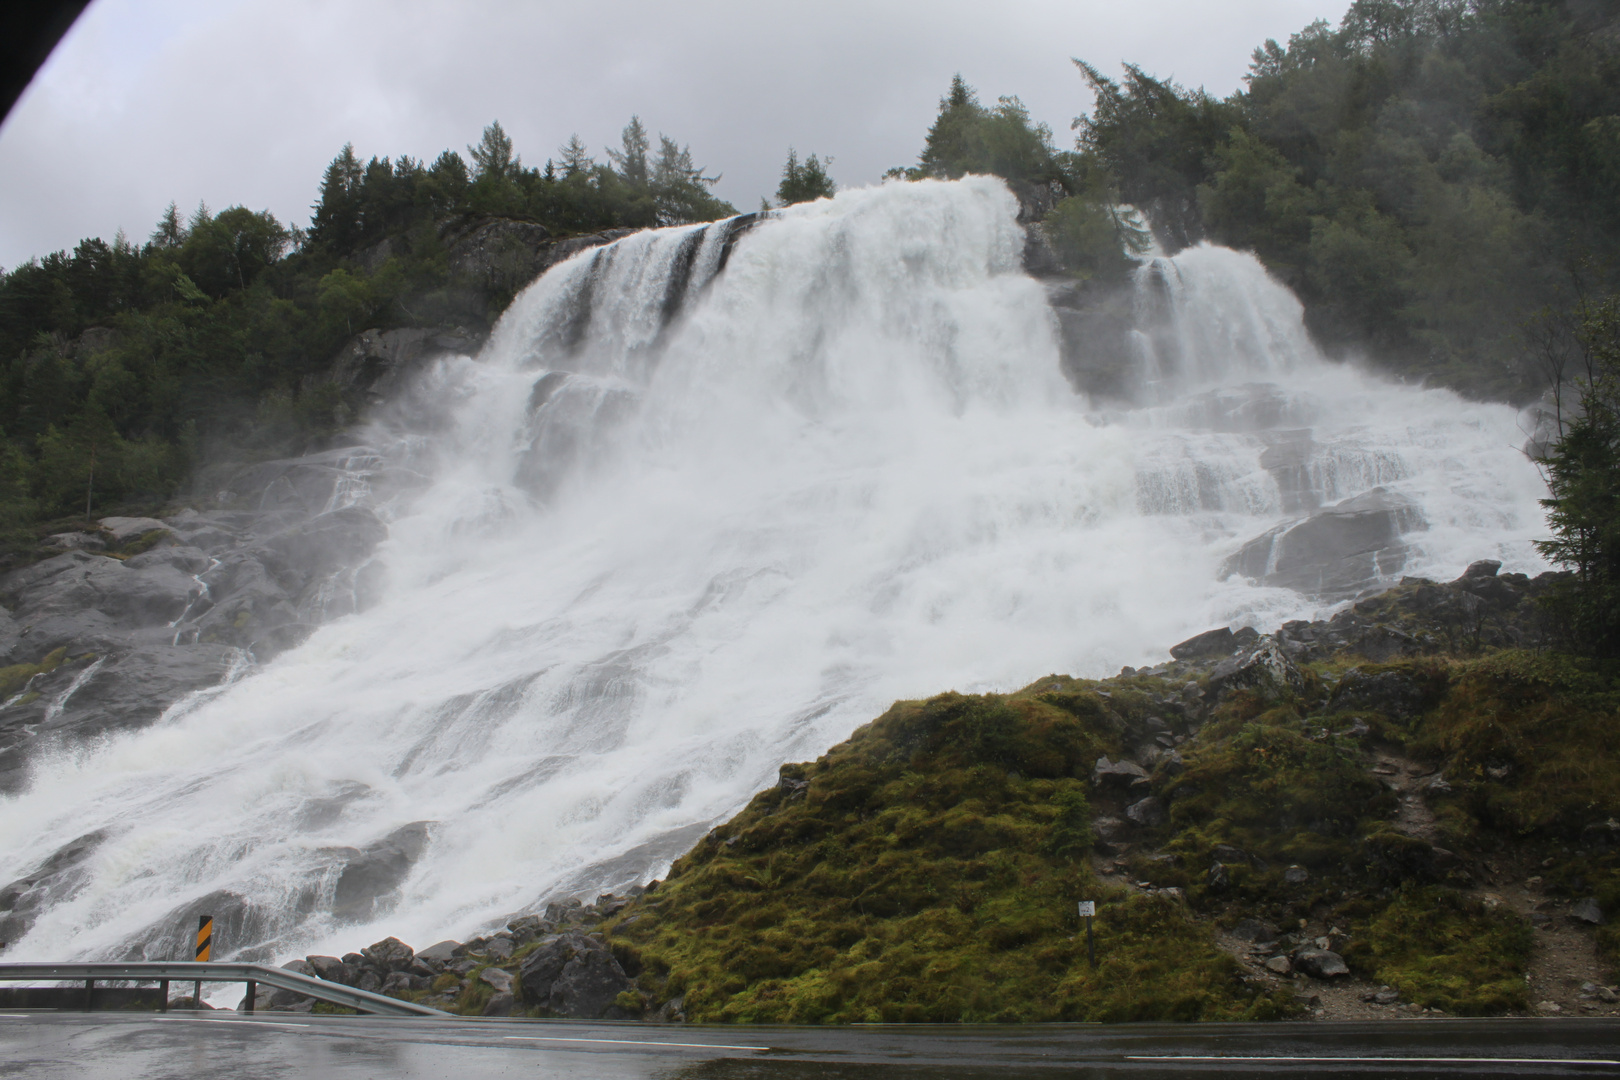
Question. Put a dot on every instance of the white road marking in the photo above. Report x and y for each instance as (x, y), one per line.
(632, 1042)
(212, 1020)
(1375, 1060)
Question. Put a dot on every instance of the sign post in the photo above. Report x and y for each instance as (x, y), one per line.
(205, 950)
(1088, 908)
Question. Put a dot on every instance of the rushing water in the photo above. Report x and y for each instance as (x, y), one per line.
(710, 499)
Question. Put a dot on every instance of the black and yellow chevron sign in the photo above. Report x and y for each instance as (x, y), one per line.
(205, 937)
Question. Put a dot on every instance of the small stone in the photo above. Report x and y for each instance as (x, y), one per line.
(1217, 877)
(1549, 1008)
(499, 978)
(1296, 875)
(1280, 965)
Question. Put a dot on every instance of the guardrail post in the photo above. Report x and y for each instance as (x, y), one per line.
(89, 990)
(248, 1005)
(163, 988)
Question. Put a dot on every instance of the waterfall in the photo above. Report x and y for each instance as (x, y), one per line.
(711, 498)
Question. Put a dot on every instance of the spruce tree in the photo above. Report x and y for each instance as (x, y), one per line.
(804, 182)
(492, 157)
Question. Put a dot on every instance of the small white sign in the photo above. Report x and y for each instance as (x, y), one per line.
(1088, 908)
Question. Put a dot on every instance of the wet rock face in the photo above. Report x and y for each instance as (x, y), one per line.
(54, 880)
(1336, 552)
(123, 638)
(372, 875)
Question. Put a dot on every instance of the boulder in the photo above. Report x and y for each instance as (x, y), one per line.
(542, 966)
(399, 982)
(502, 1003)
(589, 985)
(1217, 642)
(1336, 552)
(440, 953)
(389, 954)
(1320, 963)
(1279, 965)
(1296, 875)
(332, 969)
(499, 978)
(1587, 911)
(286, 999)
(1116, 775)
(574, 975)
(1264, 667)
(1146, 812)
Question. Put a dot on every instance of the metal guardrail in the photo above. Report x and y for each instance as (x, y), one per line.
(191, 971)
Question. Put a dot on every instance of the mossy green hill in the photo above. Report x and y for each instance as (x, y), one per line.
(928, 868)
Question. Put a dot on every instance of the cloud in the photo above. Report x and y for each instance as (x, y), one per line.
(245, 101)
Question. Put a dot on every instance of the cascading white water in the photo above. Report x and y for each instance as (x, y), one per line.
(657, 556)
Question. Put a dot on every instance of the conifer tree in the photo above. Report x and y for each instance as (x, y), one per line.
(336, 221)
(492, 157)
(804, 181)
(630, 160)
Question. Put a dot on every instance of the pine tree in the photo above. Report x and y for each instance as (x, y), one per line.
(170, 232)
(574, 158)
(1583, 478)
(492, 157)
(336, 221)
(631, 160)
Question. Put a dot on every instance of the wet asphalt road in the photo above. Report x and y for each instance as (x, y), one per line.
(147, 1046)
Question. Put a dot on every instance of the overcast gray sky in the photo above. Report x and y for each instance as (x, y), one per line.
(245, 101)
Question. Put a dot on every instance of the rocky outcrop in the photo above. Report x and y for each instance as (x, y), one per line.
(1336, 552)
(372, 875)
(110, 639)
(1095, 323)
(377, 364)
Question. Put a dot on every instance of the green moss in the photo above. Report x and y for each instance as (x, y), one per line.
(1444, 950)
(15, 677)
(1527, 740)
(1275, 787)
(927, 873)
(144, 542)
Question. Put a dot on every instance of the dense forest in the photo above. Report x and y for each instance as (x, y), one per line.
(124, 364)
(1438, 180)
(1427, 177)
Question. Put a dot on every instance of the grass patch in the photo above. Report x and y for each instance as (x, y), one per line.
(1445, 951)
(1528, 741)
